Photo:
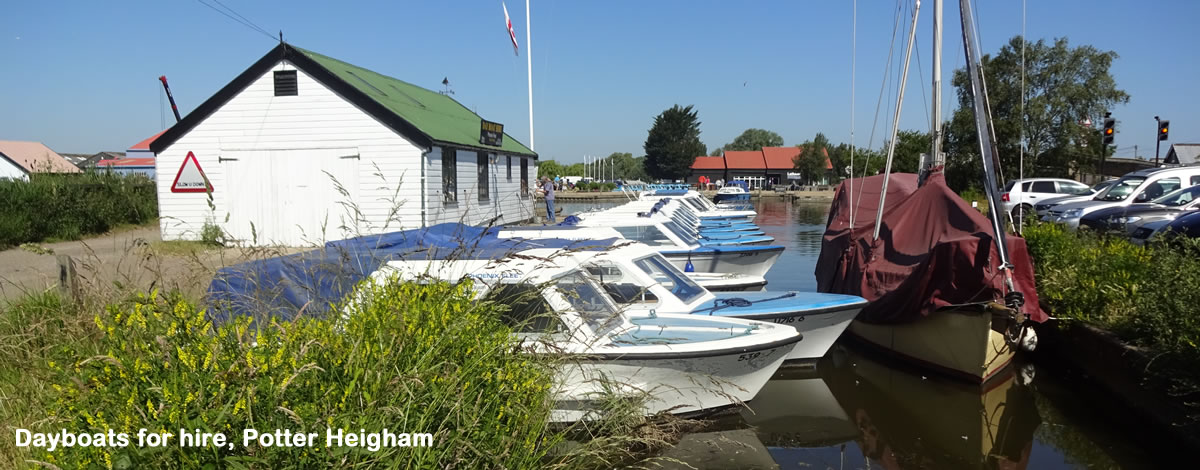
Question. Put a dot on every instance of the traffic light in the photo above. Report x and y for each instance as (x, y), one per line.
(1162, 129)
(1108, 130)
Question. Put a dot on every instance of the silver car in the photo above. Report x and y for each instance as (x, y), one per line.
(1019, 196)
(1044, 206)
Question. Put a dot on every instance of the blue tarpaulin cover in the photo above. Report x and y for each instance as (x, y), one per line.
(319, 279)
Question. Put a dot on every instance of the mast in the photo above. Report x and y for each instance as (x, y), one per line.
(936, 158)
(887, 169)
(987, 149)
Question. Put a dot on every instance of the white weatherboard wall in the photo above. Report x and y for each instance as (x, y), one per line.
(272, 161)
(11, 170)
(504, 200)
(266, 155)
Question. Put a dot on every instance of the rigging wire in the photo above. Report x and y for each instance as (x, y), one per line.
(243, 21)
(879, 101)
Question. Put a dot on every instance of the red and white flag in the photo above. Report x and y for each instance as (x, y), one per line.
(508, 22)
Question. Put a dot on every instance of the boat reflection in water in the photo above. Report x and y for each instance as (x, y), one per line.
(907, 420)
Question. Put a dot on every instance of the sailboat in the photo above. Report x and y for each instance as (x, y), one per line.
(948, 290)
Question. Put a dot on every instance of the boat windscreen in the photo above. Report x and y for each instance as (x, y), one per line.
(647, 234)
(590, 301)
(669, 277)
(683, 234)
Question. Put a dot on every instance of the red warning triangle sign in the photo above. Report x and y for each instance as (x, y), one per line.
(190, 178)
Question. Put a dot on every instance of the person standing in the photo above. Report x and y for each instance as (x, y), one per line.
(548, 188)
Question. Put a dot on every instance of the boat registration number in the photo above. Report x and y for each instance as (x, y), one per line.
(755, 355)
(785, 320)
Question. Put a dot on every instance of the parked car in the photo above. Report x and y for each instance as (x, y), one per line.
(1020, 195)
(1187, 226)
(1139, 186)
(1128, 218)
(1148, 231)
(1044, 206)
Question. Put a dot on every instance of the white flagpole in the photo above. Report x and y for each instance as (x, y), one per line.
(529, 66)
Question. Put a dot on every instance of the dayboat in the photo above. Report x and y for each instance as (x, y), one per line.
(678, 363)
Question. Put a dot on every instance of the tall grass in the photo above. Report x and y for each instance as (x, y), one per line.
(1148, 296)
(403, 356)
(70, 206)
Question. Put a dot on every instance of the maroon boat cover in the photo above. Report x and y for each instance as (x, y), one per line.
(933, 251)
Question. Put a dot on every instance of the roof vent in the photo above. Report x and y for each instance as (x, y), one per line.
(285, 83)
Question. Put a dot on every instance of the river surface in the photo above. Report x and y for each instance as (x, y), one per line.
(854, 410)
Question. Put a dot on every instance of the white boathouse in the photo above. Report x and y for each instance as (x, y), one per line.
(302, 148)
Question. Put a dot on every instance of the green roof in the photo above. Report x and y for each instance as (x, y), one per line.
(439, 116)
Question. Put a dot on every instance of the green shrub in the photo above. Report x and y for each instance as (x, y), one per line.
(1148, 296)
(409, 358)
(69, 206)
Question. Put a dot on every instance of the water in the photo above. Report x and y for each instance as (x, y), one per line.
(853, 410)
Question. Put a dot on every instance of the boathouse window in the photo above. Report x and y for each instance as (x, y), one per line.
(481, 172)
(285, 83)
(524, 176)
(527, 311)
(508, 163)
(449, 175)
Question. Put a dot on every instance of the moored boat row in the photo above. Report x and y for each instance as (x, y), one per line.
(623, 298)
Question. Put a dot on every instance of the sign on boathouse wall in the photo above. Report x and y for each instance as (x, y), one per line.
(190, 178)
(491, 133)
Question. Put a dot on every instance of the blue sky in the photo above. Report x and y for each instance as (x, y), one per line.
(82, 76)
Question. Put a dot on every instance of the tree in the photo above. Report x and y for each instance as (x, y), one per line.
(625, 167)
(673, 143)
(574, 169)
(811, 161)
(1064, 86)
(909, 147)
(867, 162)
(755, 139)
(549, 168)
(716, 152)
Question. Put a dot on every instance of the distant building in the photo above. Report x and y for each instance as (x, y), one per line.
(20, 159)
(1183, 154)
(711, 167)
(142, 149)
(302, 147)
(84, 161)
(758, 168)
(128, 166)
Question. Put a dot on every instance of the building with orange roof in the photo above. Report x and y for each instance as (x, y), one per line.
(759, 168)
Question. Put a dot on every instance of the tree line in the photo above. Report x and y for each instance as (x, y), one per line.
(1066, 90)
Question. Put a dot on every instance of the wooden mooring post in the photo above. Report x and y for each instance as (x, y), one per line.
(68, 278)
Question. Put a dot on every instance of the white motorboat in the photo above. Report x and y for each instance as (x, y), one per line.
(676, 363)
(644, 283)
(685, 253)
(714, 282)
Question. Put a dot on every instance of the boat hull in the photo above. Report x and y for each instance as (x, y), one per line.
(752, 262)
(728, 283)
(959, 344)
(820, 331)
(680, 385)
